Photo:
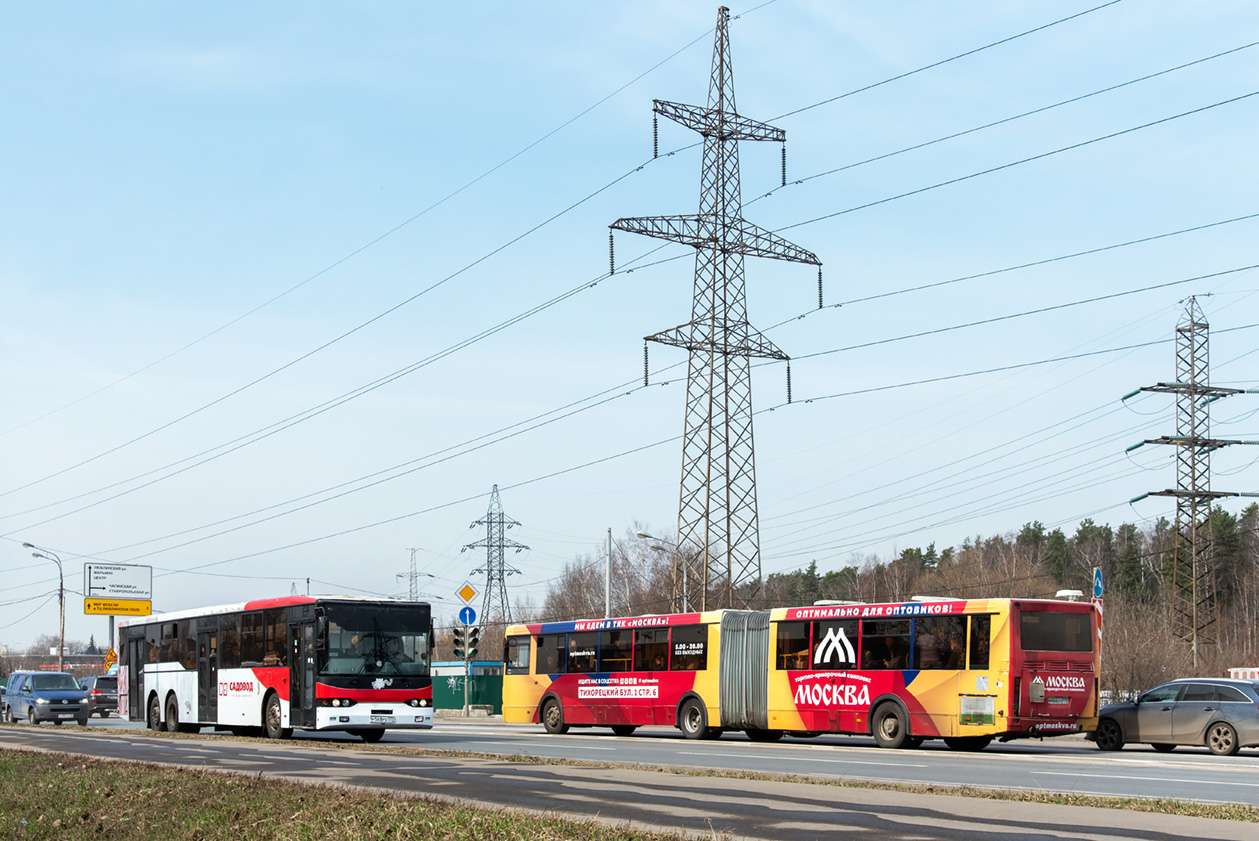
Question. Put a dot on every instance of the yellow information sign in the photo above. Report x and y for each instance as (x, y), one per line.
(118, 607)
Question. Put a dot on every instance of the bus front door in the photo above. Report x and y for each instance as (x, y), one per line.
(302, 674)
(208, 677)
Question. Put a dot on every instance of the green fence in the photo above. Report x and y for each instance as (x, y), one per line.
(483, 690)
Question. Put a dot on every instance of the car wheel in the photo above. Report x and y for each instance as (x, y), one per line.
(1222, 739)
(82, 722)
(553, 718)
(624, 729)
(154, 719)
(890, 728)
(8, 715)
(967, 743)
(30, 716)
(1163, 747)
(104, 713)
(693, 719)
(1109, 735)
(273, 719)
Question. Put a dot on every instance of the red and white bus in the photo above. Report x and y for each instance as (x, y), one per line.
(965, 671)
(275, 665)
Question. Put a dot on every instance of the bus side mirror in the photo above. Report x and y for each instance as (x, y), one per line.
(321, 633)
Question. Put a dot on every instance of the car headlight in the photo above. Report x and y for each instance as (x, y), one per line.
(42, 701)
(83, 700)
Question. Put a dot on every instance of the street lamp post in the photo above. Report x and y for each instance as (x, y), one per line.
(49, 555)
(686, 608)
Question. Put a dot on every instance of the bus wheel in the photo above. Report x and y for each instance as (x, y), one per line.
(155, 715)
(693, 719)
(553, 718)
(765, 735)
(172, 715)
(624, 729)
(967, 742)
(371, 736)
(890, 729)
(273, 719)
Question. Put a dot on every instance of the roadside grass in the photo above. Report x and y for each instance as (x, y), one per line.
(1167, 806)
(59, 796)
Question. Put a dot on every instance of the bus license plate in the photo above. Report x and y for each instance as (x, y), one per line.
(1057, 699)
(382, 719)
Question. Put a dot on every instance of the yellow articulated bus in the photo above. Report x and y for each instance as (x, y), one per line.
(965, 671)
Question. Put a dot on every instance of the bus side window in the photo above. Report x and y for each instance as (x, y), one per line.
(550, 655)
(615, 650)
(581, 652)
(689, 649)
(834, 644)
(792, 650)
(517, 657)
(229, 641)
(939, 642)
(980, 630)
(651, 650)
(885, 644)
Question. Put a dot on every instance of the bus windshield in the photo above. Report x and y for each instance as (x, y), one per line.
(375, 640)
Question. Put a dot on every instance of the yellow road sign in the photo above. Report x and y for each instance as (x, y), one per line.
(467, 592)
(118, 607)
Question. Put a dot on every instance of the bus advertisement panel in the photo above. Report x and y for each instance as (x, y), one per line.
(275, 665)
(962, 671)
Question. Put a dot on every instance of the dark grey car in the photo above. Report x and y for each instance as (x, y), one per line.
(1221, 713)
(102, 691)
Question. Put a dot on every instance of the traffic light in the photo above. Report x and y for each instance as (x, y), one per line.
(466, 638)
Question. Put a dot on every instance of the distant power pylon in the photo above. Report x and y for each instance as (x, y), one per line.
(413, 578)
(495, 569)
(717, 519)
(1194, 610)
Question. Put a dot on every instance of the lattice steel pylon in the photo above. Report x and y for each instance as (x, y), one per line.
(1194, 613)
(717, 517)
(496, 570)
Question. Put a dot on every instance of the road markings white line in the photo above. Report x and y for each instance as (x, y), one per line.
(1148, 779)
(798, 759)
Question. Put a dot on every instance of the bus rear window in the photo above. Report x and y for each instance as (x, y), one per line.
(1044, 631)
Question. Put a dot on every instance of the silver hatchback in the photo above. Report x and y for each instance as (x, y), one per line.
(1221, 713)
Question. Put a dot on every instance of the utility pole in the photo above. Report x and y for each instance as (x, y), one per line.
(717, 516)
(1194, 608)
(495, 569)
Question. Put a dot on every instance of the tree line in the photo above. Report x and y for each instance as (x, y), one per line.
(1139, 646)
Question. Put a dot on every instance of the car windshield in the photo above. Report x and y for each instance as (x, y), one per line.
(375, 640)
(48, 683)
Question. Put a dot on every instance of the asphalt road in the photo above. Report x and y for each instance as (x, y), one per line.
(746, 808)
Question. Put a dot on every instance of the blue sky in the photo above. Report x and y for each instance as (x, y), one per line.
(220, 220)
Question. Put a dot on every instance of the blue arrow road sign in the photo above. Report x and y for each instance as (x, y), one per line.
(1097, 583)
(467, 616)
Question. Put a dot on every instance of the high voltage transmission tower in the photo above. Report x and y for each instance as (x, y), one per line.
(495, 569)
(413, 578)
(717, 519)
(1194, 609)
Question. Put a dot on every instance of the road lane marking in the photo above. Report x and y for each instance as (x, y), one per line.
(798, 759)
(1148, 779)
